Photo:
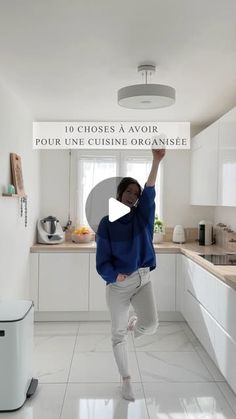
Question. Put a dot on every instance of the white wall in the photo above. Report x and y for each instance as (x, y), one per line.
(15, 239)
(176, 188)
(55, 185)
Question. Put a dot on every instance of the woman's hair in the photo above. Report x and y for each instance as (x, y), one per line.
(123, 185)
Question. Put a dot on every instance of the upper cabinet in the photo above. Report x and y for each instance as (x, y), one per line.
(227, 160)
(213, 163)
(204, 166)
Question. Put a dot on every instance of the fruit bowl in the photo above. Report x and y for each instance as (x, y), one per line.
(81, 238)
(81, 235)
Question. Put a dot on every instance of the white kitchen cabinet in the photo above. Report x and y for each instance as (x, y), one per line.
(213, 326)
(69, 282)
(204, 166)
(97, 288)
(226, 308)
(213, 163)
(201, 322)
(180, 282)
(183, 273)
(227, 159)
(163, 279)
(225, 354)
(63, 281)
(202, 285)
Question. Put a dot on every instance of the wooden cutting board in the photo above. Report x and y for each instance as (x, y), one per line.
(17, 175)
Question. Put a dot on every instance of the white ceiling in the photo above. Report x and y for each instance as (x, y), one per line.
(68, 58)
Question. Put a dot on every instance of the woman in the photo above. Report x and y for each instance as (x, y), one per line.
(125, 256)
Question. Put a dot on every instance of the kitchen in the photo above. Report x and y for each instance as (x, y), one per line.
(188, 369)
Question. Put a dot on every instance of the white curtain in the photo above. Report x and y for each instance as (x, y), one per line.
(91, 171)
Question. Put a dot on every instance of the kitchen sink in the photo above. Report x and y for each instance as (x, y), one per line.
(225, 259)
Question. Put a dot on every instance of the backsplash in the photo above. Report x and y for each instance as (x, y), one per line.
(191, 234)
(225, 237)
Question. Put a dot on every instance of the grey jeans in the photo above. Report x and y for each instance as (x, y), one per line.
(137, 290)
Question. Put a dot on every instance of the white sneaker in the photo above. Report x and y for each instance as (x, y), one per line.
(132, 322)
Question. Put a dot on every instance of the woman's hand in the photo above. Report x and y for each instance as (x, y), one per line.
(158, 153)
(121, 277)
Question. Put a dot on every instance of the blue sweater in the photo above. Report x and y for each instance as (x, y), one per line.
(125, 245)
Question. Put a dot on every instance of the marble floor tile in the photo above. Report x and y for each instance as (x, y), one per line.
(165, 339)
(56, 328)
(215, 372)
(95, 327)
(228, 394)
(52, 358)
(192, 337)
(172, 367)
(46, 403)
(186, 401)
(171, 327)
(93, 367)
(180, 380)
(95, 342)
(102, 401)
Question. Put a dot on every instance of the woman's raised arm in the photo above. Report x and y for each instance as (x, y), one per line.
(158, 155)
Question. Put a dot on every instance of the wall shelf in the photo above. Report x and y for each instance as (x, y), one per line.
(13, 195)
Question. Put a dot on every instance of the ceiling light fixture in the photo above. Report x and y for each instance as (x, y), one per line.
(146, 96)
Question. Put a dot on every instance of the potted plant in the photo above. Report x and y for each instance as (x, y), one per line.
(158, 230)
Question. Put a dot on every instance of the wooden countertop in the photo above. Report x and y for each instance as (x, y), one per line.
(191, 250)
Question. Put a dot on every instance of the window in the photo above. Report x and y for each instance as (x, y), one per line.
(92, 170)
(95, 167)
(138, 168)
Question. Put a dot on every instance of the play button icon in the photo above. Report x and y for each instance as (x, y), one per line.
(102, 203)
(117, 210)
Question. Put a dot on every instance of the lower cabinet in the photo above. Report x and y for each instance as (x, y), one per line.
(225, 354)
(209, 307)
(226, 308)
(97, 288)
(180, 259)
(201, 284)
(63, 282)
(163, 279)
(201, 322)
(69, 282)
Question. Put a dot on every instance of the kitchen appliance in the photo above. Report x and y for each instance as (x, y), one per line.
(50, 231)
(205, 233)
(16, 353)
(178, 234)
(226, 259)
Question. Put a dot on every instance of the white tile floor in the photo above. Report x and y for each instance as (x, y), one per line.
(78, 379)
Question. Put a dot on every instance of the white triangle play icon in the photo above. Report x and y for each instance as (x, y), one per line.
(117, 209)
